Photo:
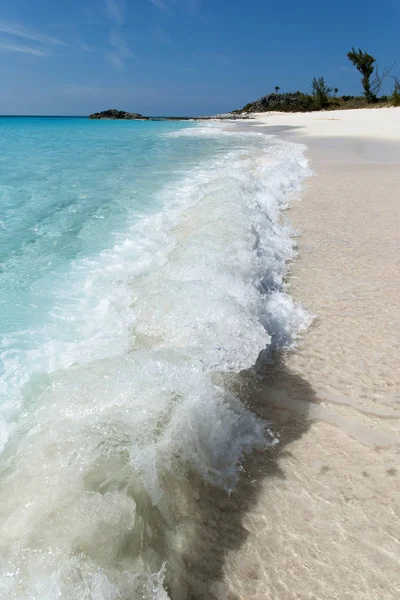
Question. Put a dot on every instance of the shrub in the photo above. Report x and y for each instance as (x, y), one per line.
(289, 102)
(320, 93)
(395, 98)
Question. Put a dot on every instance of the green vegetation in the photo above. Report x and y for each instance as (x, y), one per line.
(323, 97)
(320, 92)
(364, 63)
(395, 98)
(289, 102)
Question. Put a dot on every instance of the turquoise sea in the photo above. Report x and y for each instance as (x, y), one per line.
(140, 263)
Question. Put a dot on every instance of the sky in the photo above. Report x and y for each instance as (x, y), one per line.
(182, 57)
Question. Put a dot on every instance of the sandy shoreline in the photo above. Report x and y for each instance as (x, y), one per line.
(325, 523)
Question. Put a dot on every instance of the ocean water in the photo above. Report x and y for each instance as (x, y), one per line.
(140, 262)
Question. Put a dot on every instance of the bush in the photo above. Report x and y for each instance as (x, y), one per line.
(395, 97)
(320, 93)
(289, 102)
(350, 102)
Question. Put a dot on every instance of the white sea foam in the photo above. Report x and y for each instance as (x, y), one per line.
(99, 466)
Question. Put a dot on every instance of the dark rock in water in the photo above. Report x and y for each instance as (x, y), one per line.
(112, 113)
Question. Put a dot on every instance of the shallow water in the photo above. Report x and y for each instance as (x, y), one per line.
(139, 263)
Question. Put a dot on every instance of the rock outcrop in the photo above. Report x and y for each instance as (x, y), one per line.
(112, 113)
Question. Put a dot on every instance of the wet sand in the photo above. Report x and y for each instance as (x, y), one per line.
(323, 519)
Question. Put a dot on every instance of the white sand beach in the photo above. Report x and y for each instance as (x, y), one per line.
(325, 521)
(382, 123)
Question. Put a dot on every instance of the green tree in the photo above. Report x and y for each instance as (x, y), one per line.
(321, 92)
(364, 63)
(277, 88)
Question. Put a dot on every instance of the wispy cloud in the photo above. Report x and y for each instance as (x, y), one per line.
(10, 47)
(164, 6)
(18, 30)
(75, 40)
(116, 10)
(119, 52)
(160, 4)
(12, 30)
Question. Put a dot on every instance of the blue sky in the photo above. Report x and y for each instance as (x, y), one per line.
(181, 57)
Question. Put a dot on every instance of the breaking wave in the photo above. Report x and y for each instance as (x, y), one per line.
(98, 471)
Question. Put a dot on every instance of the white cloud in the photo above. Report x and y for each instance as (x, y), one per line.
(116, 10)
(119, 44)
(192, 5)
(160, 4)
(119, 52)
(115, 60)
(17, 30)
(9, 47)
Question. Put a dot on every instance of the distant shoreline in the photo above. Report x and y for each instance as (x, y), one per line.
(227, 117)
(218, 117)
